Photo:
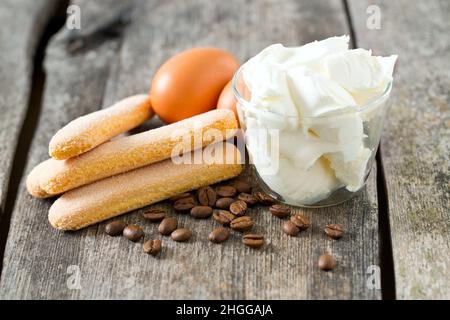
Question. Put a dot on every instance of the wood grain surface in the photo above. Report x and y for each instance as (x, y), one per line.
(416, 140)
(26, 20)
(92, 67)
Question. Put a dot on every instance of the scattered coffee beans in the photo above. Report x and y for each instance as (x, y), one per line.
(184, 204)
(334, 231)
(263, 198)
(155, 215)
(167, 226)
(181, 234)
(224, 217)
(201, 212)
(326, 262)
(290, 228)
(152, 247)
(280, 210)
(242, 223)
(238, 208)
(224, 203)
(253, 240)
(206, 196)
(242, 186)
(300, 221)
(115, 228)
(247, 198)
(226, 191)
(133, 232)
(219, 235)
(180, 196)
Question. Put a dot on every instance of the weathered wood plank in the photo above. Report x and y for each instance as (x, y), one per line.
(114, 267)
(415, 146)
(25, 20)
(77, 63)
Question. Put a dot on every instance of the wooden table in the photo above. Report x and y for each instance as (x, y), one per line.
(398, 229)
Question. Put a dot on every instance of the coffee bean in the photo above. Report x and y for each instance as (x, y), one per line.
(206, 196)
(180, 196)
(155, 215)
(334, 231)
(201, 212)
(263, 198)
(226, 191)
(167, 226)
(181, 234)
(242, 223)
(224, 217)
(247, 198)
(253, 240)
(152, 247)
(279, 210)
(115, 228)
(290, 228)
(219, 235)
(224, 203)
(300, 221)
(133, 232)
(327, 262)
(184, 204)
(238, 208)
(241, 186)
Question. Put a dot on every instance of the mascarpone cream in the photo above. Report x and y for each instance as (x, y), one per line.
(311, 95)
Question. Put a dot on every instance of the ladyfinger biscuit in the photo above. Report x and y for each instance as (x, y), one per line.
(32, 182)
(137, 150)
(116, 195)
(89, 131)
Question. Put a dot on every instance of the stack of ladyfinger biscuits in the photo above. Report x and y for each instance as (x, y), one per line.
(100, 178)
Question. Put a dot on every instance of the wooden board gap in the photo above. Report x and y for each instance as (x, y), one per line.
(386, 255)
(55, 23)
(353, 40)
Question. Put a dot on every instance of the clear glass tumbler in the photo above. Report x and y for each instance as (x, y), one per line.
(311, 161)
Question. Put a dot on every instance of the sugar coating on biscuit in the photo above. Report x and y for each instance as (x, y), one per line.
(32, 182)
(89, 131)
(136, 151)
(135, 189)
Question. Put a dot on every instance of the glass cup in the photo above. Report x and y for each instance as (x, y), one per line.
(315, 161)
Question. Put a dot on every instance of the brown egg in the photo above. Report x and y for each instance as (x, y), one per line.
(227, 99)
(190, 83)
